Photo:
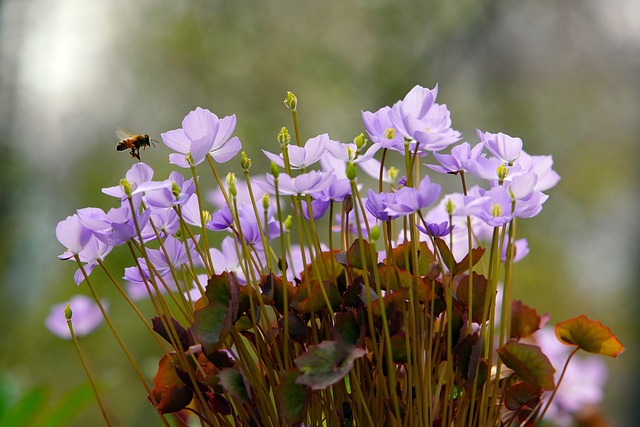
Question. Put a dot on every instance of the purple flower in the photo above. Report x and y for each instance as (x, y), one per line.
(191, 211)
(301, 157)
(115, 227)
(86, 317)
(377, 205)
(220, 220)
(408, 200)
(541, 166)
(307, 183)
(347, 152)
(318, 208)
(165, 222)
(521, 250)
(94, 250)
(175, 191)
(202, 133)
(436, 230)
(493, 206)
(461, 155)
(139, 178)
(419, 118)
(504, 147)
(73, 235)
(381, 129)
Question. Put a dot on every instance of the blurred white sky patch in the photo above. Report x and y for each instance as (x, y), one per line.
(621, 18)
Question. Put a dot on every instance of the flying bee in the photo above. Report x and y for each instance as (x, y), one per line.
(133, 142)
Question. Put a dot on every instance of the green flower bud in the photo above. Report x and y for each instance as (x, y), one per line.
(206, 216)
(351, 171)
(274, 170)
(375, 233)
(67, 312)
(291, 101)
(231, 182)
(360, 141)
(283, 137)
(288, 223)
(245, 162)
(266, 201)
(450, 207)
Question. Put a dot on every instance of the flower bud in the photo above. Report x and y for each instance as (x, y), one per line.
(288, 223)
(283, 137)
(351, 171)
(402, 182)
(67, 312)
(450, 207)
(245, 161)
(360, 141)
(291, 101)
(231, 182)
(347, 203)
(266, 201)
(375, 233)
(274, 170)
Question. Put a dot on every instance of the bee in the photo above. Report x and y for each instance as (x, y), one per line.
(133, 142)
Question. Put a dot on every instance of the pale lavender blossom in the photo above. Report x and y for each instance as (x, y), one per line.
(381, 129)
(504, 147)
(114, 227)
(461, 156)
(175, 191)
(408, 200)
(73, 235)
(521, 250)
(163, 222)
(86, 317)
(202, 133)
(347, 151)
(139, 178)
(190, 211)
(301, 157)
(377, 204)
(419, 118)
(307, 183)
(542, 167)
(493, 206)
(95, 250)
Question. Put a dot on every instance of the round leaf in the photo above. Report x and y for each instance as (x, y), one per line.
(589, 335)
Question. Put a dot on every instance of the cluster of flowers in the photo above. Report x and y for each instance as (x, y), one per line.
(278, 287)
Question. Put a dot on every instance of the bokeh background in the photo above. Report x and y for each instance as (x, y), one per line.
(563, 76)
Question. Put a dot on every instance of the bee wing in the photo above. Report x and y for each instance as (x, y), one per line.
(123, 133)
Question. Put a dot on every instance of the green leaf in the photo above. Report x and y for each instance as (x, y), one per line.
(293, 398)
(208, 325)
(356, 259)
(589, 335)
(347, 327)
(529, 363)
(235, 384)
(326, 363)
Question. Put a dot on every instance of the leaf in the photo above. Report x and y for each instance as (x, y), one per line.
(589, 335)
(208, 325)
(235, 384)
(356, 259)
(170, 392)
(347, 327)
(316, 301)
(524, 320)
(529, 363)
(425, 258)
(479, 295)
(293, 398)
(521, 396)
(445, 253)
(463, 265)
(326, 363)
(183, 335)
(274, 287)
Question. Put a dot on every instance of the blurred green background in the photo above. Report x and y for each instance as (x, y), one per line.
(563, 76)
